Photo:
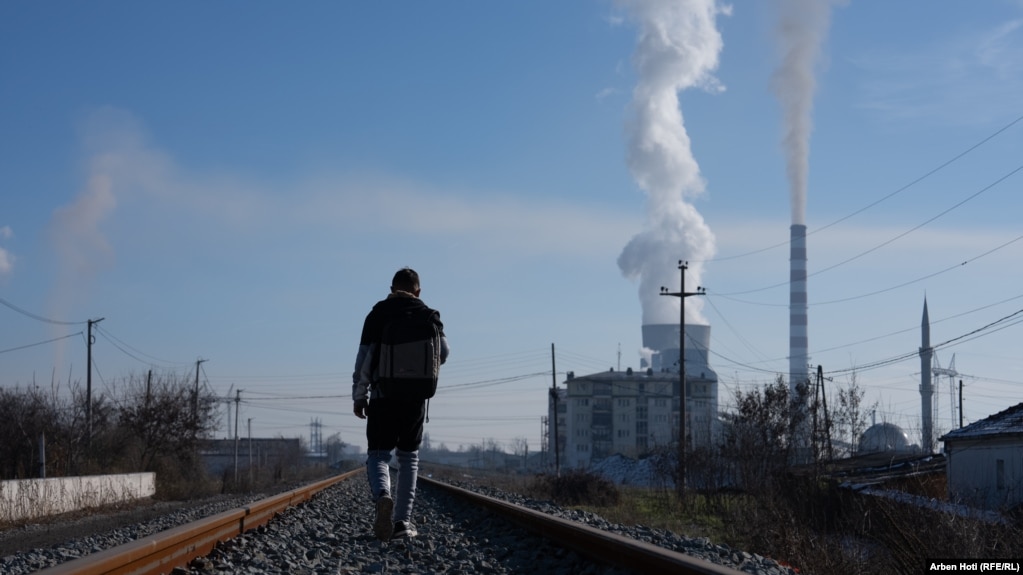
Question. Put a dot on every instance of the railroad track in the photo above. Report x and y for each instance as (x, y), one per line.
(179, 547)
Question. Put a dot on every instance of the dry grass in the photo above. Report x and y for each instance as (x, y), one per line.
(814, 526)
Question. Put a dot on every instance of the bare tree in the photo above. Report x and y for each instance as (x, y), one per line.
(158, 419)
(23, 417)
(762, 435)
(850, 420)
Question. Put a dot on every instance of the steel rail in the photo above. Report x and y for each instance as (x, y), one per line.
(162, 552)
(605, 546)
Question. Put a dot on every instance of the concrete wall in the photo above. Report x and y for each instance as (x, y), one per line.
(31, 498)
(987, 472)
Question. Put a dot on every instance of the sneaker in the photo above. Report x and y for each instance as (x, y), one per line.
(404, 529)
(383, 528)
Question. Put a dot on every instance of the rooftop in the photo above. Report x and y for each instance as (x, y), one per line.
(1007, 422)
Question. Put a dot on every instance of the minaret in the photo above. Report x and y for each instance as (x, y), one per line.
(926, 390)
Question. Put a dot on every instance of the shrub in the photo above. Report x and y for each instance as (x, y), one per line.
(576, 487)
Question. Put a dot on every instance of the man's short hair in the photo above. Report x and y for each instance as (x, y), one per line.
(406, 279)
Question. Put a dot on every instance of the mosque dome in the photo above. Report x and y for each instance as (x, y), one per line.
(884, 437)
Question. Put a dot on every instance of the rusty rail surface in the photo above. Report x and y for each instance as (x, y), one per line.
(161, 552)
(604, 546)
(176, 547)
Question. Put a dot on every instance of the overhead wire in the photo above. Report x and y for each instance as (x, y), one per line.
(38, 317)
(903, 357)
(20, 347)
(898, 191)
(891, 240)
(121, 344)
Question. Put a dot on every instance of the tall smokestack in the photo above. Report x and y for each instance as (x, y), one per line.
(801, 28)
(799, 359)
(926, 390)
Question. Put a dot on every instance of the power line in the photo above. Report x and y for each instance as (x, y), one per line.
(928, 174)
(913, 354)
(897, 237)
(41, 342)
(890, 288)
(489, 382)
(929, 276)
(115, 341)
(292, 397)
(38, 317)
(916, 327)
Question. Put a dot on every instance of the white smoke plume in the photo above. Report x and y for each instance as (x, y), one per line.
(677, 49)
(6, 258)
(801, 29)
(118, 164)
(75, 230)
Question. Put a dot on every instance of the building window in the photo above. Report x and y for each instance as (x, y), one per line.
(583, 402)
(660, 403)
(624, 403)
(1000, 473)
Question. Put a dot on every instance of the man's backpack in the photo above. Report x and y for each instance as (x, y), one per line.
(409, 359)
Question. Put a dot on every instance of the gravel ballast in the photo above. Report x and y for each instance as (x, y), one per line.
(333, 534)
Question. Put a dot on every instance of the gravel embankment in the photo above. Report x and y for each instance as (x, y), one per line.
(333, 534)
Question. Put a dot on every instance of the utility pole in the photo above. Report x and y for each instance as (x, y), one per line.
(90, 339)
(823, 397)
(554, 402)
(960, 403)
(682, 294)
(195, 399)
(250, 452)
(237, 401)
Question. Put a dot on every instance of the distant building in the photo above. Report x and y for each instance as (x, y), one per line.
(633, 413)
(984, 461)
(220, 455)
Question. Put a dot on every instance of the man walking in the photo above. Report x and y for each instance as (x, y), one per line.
(394, 421)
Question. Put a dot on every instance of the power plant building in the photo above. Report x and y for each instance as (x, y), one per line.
(635, 412)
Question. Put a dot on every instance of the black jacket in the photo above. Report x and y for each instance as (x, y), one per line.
(366, 360)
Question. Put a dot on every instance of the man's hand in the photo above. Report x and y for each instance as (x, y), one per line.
(360, 408)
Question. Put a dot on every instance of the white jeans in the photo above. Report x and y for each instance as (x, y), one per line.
(379, 475)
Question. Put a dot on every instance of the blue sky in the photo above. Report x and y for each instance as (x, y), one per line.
(237, 182)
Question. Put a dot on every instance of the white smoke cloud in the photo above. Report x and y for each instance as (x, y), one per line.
(677, 49)
(6, 258)
(75, 229)
(801, 28)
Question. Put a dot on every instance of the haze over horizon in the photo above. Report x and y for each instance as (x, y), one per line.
(239, 186)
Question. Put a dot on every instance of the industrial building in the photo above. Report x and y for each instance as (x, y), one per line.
(634, 412)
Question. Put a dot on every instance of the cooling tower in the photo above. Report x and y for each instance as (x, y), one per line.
(662, 339)
(799, 360)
